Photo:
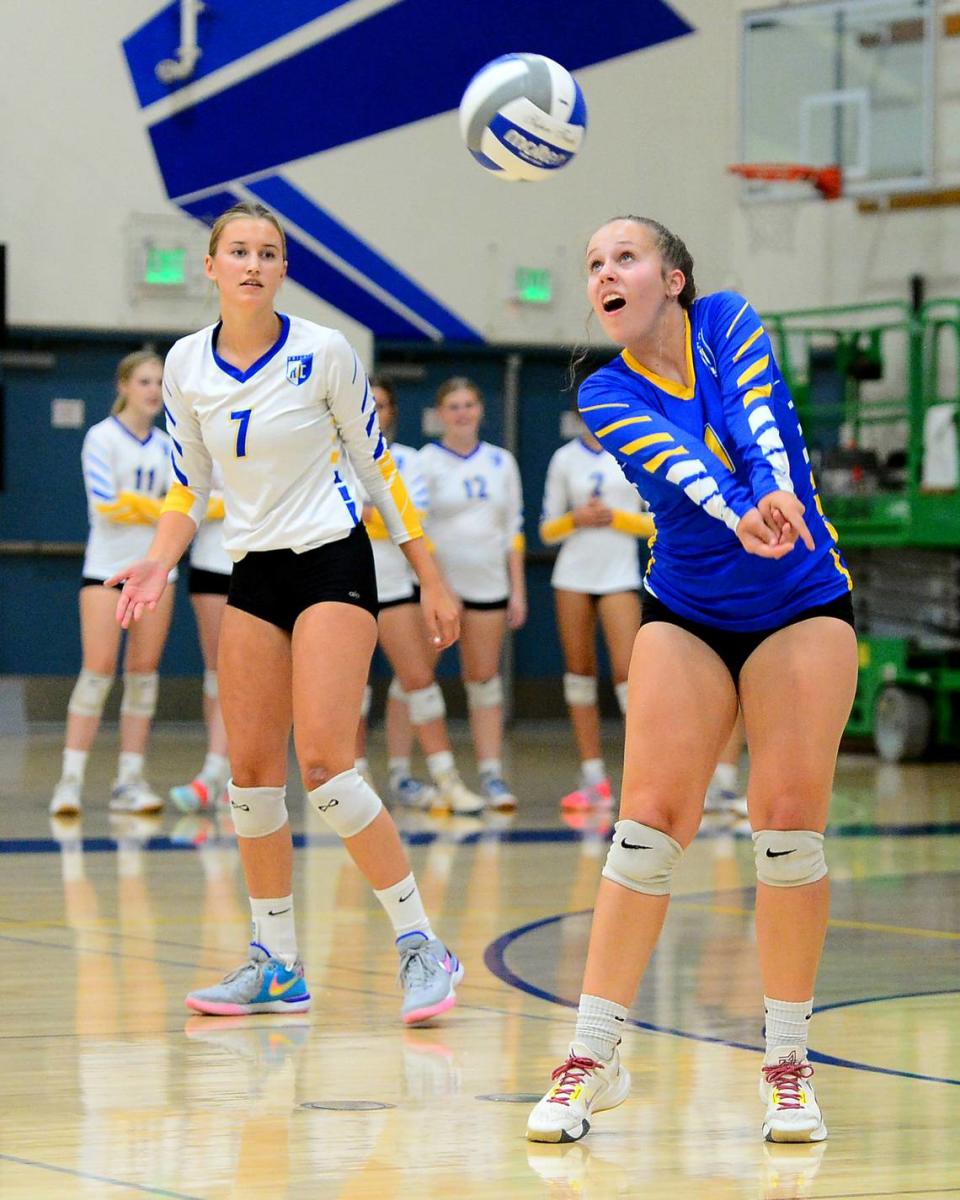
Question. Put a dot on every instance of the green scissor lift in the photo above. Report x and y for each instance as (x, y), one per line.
(863, 378)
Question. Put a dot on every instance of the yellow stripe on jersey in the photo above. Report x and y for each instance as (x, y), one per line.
(755, 369)
(746, 304)
(377, 530)
(831, 529)
(556, 529)
(657, 462)
(838, 563)
(641, 443)
(714, 444)
(216, 509)
(748, 343)
(620, 424)
(637, 524)
(518, 543)
(399, 495)
(179, 499)
(596, 407)
(757, 393)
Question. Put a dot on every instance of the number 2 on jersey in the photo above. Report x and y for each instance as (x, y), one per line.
(242, 415)
(597, 490)
(476, 488)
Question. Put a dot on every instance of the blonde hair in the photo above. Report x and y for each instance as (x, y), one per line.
(125, 369)
(250, 210)
(456, 383)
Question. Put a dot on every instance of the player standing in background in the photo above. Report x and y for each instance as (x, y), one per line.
(746, 599)
(126, 472)
(275, 400)
(414, 699)
(476, 526)
(596, 516)
(208, 584)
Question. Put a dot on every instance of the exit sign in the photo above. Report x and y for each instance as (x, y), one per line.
(165, 266)
(533, 285)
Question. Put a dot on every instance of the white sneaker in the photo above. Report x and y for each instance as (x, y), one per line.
(455, 796)
(583, 1085)
(135, 796)
(412, 792)
(724, 802)
(498, 794)
(793, 1114)
(66, 798)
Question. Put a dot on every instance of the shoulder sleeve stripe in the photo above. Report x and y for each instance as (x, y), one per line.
(746, 304)
(170, 416)
(755, 369)
(595, 407)
(657, 462)
(641, 443)
(757, 393)
(619, 425)
(759, 417)
(684, 470)
(748, 343)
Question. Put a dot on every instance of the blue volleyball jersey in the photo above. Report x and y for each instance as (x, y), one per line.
(702, 456)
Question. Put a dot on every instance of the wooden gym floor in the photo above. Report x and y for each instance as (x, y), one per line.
(111, 1089)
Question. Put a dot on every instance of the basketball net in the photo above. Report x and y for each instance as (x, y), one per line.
(772, 196)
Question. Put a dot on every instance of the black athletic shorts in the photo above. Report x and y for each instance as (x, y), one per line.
(278, 585)
(736, 647)
(486, 605)
(86, 581)
(413, 598)
(207, 583)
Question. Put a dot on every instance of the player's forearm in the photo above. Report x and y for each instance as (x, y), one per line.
(518, 579)
(422, 561)
(175, 532)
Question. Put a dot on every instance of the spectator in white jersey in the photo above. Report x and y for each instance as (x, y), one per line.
(126, 471)
(476, 526)
(596, 516)
(415, 701)
(275, 400)
(208, 583)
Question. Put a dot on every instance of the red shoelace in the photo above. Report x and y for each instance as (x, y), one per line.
(787, 1078)
(571, 1073)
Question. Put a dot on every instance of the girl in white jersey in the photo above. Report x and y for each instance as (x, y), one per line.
(415, 700)
(208, 583)
(126, 471)
(596, 516)
(275, 400)
(476, 526)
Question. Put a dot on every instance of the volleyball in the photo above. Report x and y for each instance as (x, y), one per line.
(523, 117)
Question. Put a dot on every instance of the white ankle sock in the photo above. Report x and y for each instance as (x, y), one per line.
(75, 763)
(600, 1024)
(216, 770)
(785, 1026)
(439, 764)
(129, 766)
(274, 928)
(399, 768)
(403, 905)
(490, 766)
(592, 771)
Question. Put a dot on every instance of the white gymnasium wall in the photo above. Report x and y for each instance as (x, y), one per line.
(77, 167)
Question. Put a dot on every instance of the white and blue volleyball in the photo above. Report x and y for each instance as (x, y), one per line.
(523, 117)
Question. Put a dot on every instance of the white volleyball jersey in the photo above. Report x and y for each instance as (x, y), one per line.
(476, 516)
(395, 577)
(116, 460)
(278, 431)
(595, 560)
(206, 550)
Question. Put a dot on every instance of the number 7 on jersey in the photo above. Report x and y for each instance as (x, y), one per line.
(242, 415)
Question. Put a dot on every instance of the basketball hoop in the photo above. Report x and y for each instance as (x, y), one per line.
(770, 198)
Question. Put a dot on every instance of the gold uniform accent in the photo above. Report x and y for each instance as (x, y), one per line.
(620, 424)
(658, 460)
(179, 499)
(748, 343)
(758, 393)
(641, 443)
(715, 446)
(755, 369)
(400, 495)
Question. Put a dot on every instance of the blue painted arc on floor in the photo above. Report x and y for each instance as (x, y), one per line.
(408, 62)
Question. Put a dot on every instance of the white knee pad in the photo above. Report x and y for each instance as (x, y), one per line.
(89, 694)
(365, 702)
(211, 685)
(426, 704)
(642, 858)
(488, 694)
(579, 689)
(346, 802)
(621, 689)
(257, 811)
(395, 691)
(789, 857)
(139, 694)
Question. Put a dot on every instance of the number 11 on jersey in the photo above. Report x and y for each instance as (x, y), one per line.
(242, 416)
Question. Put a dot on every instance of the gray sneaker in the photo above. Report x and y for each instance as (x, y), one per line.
(498, 794)
(429, 973)
(412, 792)
(135, 796)
(261, 985)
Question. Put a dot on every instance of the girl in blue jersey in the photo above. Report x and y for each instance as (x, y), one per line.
(746, 599)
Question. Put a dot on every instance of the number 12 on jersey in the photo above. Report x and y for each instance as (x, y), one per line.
(242, 416)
